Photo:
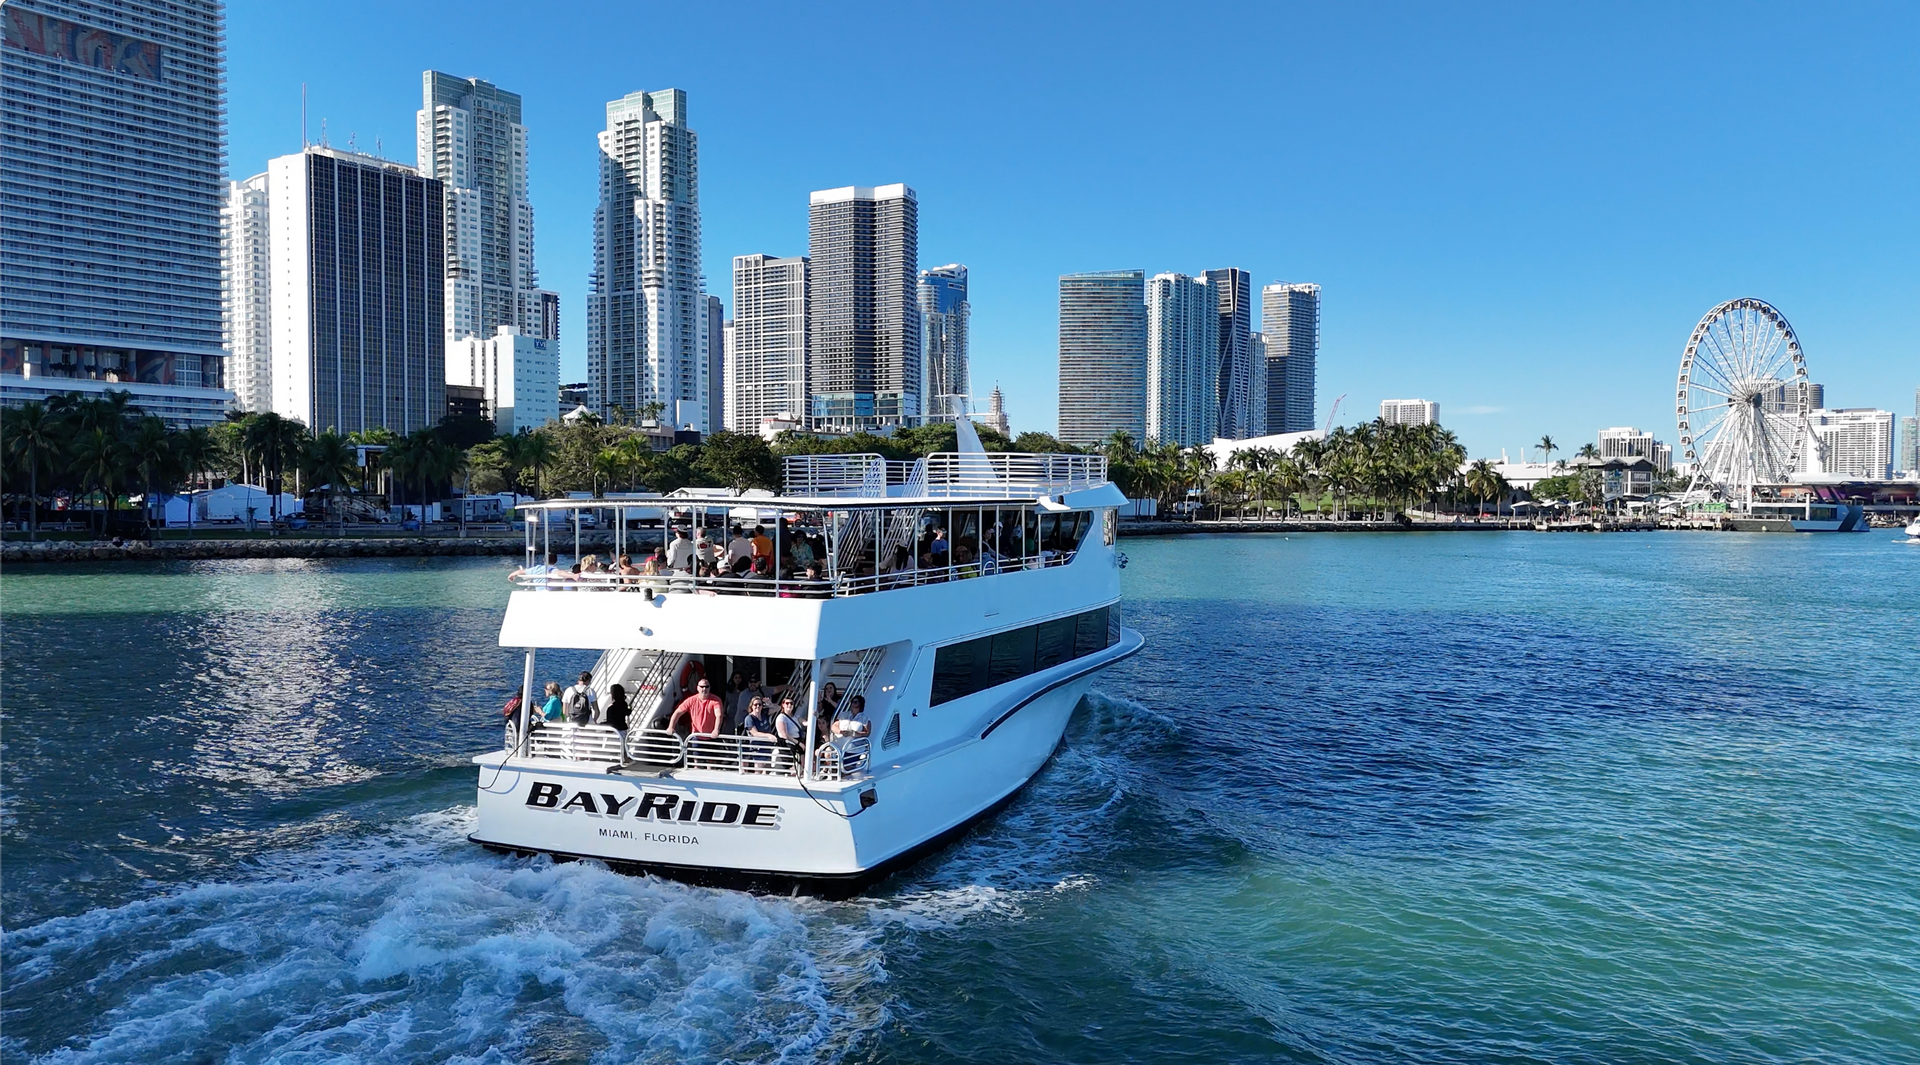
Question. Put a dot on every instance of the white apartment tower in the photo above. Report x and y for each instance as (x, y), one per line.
(247, 289)
(359, 289)
(468, 134)
(1183, 359)
(766, 343)
(646, 303)
(1626, 442)
(1409, 412)
(1853, 442)
(519, 374)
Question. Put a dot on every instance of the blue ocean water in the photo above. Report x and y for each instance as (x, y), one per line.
(1403, 798)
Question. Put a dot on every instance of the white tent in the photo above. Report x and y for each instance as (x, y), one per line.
(236, 502)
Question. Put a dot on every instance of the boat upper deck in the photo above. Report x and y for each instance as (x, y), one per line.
(845, 525)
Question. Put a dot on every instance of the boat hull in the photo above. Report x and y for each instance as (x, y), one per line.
(771, 833)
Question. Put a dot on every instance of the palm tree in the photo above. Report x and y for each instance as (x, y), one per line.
(330, 460)
(1485, 483)
(193, 451)
(1587, 451)
(33, 437)
(99, 461)
(534, 451)
(151, 456)
(1547, 447)
(273, 442)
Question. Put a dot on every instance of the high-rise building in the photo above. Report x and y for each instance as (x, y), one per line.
(247, 288)
(1785, 397)
(767, 362)
(518, 377)
(1409, 412)
(468, 134)
(1909, 444)
(1103, 356)
(1257, 393)
(943, 323)
(359, 292)
(1234, 388)
(646, 304)
(1290, 317)
(112, 184)
(716, 335)
(1626, 442)
(996, 418)
(1183, 359)
(1851, 442)
(864, 328)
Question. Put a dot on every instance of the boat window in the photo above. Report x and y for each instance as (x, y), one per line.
(961, 669)
(1050, 532)
(1012, 656)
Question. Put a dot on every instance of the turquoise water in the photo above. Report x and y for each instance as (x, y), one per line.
(1425, 798)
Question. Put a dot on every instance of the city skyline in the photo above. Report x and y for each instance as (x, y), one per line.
(1454, 230)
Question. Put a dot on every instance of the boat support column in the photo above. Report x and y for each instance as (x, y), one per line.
(813, 715)
(526, 704)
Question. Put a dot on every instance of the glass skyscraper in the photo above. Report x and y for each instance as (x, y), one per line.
(944, 311)
(1234, 389)
(864, 244)
(1103, 356)
(1290, 318)
(112, 185)
(1183, 359)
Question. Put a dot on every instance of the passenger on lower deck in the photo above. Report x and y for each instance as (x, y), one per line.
(617, 711)
(702, 711)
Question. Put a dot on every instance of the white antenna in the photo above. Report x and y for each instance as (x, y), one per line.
(303, 116)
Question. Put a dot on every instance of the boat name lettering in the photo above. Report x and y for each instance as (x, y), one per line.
(654, 806)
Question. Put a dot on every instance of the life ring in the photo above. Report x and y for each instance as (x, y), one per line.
(690, 674)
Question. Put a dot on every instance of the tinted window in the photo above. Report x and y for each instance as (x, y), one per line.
(954, 667)
(1053, 642)
(1092, 632)
(961, 669)
(1012, 656)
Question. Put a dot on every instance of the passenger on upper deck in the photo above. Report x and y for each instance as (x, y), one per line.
(617, 711)
(680, 552)
(579, 702)
(762, 544)
(550, 710)
(537, 576)
(738, 548)
(705, 550)
(701, 709)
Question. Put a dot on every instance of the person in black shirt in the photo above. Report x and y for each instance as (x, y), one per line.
(617, 708)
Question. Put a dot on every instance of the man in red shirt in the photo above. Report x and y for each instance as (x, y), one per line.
(702, 709)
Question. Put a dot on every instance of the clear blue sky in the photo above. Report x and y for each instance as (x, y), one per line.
(1519, 210)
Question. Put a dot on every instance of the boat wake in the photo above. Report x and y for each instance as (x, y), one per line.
(410, 944)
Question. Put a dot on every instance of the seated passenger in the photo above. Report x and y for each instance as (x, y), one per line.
(851, 720)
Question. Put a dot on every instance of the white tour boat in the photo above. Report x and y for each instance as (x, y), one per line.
(1805, 515)
(969, 599)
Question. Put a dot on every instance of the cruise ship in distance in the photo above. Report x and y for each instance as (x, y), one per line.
(967, 600)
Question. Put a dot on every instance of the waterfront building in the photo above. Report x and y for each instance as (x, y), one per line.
(1257, 390)
(359, 290)
(246, 278)
(1622, 477)
(716, 336)
(943, 325)
(1853, 442)
(1103, 356)
(1183, 342)
(996, 417)
(468, 134)
(1409, 412)
(112, 186)
(1233, 389)
(767, 363)
(1290, 318)
(864, 313)
(518, 377)
(1626, 442)
(1909, 460)
(646, 304)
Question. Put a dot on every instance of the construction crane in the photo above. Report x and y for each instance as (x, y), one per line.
(1327, 428)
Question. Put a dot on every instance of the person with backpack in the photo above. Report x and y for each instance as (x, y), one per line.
(578, 701)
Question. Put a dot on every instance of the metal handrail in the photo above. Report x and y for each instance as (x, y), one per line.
(792, 588)
(577, 743)
(1011, 475)
(734, 754)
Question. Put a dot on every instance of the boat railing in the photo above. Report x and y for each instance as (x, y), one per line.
(844, 759)
(576, 743)
(845, 584)
(1011, 475)
(734, 754)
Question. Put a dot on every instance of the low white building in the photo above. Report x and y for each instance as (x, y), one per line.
(520, 375)
(1223, 450)
(1409, 412)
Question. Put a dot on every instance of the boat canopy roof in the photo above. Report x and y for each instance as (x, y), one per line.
(838, 482)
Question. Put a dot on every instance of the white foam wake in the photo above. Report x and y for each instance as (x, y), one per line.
(414, 946)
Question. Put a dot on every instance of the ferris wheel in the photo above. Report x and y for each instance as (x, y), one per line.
(1742, 401)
